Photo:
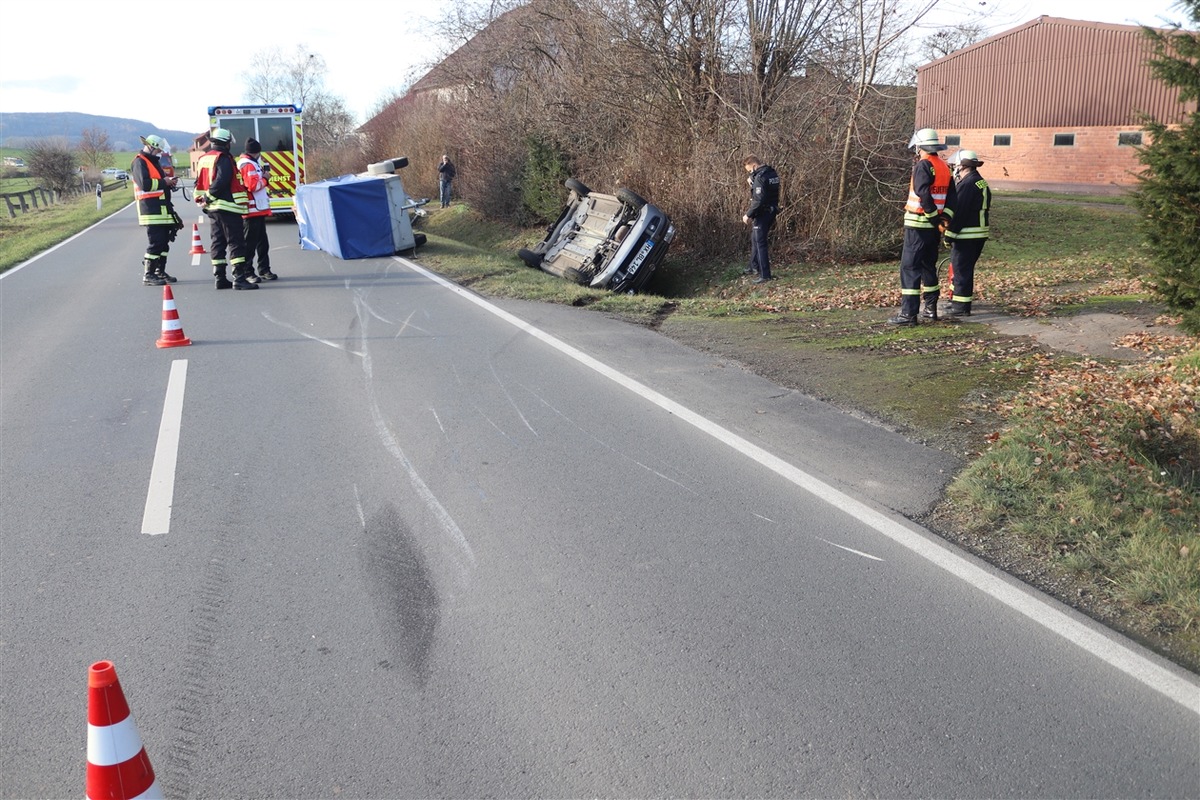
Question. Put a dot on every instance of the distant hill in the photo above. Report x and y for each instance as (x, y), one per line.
(22, 128)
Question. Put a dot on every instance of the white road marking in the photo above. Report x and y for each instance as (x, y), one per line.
(1166, 679)
(848, 549)
(156, 518)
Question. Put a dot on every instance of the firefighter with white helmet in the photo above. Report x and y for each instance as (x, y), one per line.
(968, 231)
(930, 207)
(152, 191)
(220, 193)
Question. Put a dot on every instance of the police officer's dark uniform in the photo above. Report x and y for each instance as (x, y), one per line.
(764, 207)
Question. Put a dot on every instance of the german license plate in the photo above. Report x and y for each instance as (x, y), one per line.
(640, 257)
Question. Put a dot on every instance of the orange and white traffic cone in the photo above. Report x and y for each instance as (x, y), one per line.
(197, 245)
(117, 765)
(172, 328)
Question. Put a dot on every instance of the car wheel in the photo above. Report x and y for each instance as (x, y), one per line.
(530, 258)
(631, 198)
(577, 187)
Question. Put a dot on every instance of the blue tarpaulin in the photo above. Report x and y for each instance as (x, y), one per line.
(354, 216)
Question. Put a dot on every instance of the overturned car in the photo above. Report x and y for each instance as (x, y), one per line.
(604, 241)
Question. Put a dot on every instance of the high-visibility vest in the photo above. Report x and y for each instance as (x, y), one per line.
(206, 169)
(151, 198)
(258, 201)
(915, 215)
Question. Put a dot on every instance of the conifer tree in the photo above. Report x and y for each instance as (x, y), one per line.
(1169, 191)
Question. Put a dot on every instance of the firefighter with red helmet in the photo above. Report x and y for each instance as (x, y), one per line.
(930, 207)
(219, 192)
(968, 231)
(152, 191)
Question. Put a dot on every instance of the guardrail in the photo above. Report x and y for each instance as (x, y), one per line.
(48, 196)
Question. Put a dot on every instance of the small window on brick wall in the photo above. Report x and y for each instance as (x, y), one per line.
(1064, 140)
(1001, 140)
(953, 141)
(1129, 139)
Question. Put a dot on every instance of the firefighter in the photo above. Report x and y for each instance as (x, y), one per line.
(968, 231)
(930, 207)
(152, 191)
(253, 175)
(219, 192)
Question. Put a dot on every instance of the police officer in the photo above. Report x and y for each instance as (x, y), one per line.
(764, 206)
(968, 230)
(152, 191)
(930, 207)
(219, 192)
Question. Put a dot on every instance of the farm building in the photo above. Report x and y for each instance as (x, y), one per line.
(1053, 101)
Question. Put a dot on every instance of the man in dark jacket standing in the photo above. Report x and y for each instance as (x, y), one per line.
(446, 173)
(764, 206)
(968, 231)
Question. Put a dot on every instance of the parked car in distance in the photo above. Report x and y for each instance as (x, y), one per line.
(605, 241)
(115, 174)
(13, 161)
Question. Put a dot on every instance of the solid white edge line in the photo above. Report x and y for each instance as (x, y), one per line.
(1171, 684)
(161, 494)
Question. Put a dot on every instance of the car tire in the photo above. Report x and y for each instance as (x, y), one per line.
(631, 198)
(530, 258)
(577, 187)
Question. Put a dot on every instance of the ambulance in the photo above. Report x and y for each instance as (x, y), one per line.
(279, 129)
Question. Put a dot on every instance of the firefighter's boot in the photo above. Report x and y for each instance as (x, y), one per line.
(151, 276)
(906, 320)
(929, 302)
(222, 282)
(239, 279)
(161, 271)
(959, 309)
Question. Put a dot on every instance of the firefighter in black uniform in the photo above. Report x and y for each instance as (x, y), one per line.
(219, 192)
(152, 190)
(930, 207)
(764, 206)
(968, 231)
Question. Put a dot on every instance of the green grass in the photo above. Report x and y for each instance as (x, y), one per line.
(32, 232)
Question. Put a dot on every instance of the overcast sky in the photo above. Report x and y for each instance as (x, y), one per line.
(94, 57)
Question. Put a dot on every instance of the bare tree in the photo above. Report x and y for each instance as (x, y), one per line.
(945, 41)
(873, 31)
(95, 149)
(782, 37)
(54, 163)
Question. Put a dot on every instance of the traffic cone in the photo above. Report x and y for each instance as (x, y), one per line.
(172, 328)
(197, 245)
(117, 765)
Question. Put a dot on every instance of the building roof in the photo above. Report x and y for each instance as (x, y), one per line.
(1050, 72)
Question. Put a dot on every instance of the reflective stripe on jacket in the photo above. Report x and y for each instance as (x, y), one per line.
(930, 193)
(217, 181)
(974, 204)
(152, 196)
(258, 202)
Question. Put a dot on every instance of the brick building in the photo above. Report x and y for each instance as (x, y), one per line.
(1053, 101)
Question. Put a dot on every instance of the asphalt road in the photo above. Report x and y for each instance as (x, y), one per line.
(418, 544)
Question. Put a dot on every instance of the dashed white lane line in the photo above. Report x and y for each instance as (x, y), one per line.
(156, 518)
(1165, 679)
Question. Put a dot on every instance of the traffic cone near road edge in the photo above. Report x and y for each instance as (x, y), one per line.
(172, 328)
(197, 245)
(117, 765)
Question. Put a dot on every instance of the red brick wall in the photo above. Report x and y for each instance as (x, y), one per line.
(1096, 158)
